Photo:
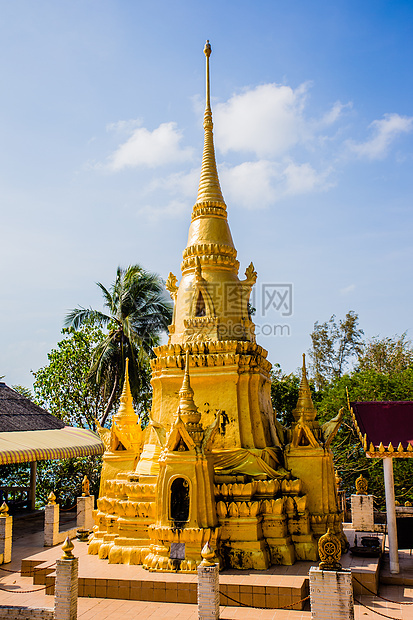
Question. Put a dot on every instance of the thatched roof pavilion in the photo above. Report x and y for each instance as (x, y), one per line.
(29, 433)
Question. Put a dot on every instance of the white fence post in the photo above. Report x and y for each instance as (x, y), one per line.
(208, 586)
(6, 528)
(66, 586)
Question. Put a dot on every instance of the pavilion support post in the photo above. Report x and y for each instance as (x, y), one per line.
(33, 478)
(391, 514)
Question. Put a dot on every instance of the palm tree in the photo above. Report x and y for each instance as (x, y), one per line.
(137, 312)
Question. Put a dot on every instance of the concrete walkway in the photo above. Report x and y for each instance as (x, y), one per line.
(20, 591)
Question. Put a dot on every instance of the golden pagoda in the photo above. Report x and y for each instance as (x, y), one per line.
(214, 465)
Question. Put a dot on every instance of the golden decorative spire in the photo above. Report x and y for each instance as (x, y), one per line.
(305, 407)
(209, 190)
(187, 409)
(126, 400)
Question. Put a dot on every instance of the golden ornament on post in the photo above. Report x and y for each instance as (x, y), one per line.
(85, 487)
(208, 556)
(67, 549)
(362, 485)
(329, 549)
(51, 499)
(4, 510)
(214, 465)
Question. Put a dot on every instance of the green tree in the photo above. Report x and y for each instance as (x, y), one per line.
(387, 355)
(284, 394)
(384, 372)
(334, 346)
(64, 478)
(62, 387)
(137, 313)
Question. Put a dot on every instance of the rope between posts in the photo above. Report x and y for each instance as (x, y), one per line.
(374, 611)
(8, 570)
(70, 520)
(67, 509)
(255, 607)
(35, 568)
(382, 597)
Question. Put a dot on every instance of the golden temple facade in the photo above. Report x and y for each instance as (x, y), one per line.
(214, 465)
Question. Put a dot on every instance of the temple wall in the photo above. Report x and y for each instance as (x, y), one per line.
(241, 393)
(314, 467)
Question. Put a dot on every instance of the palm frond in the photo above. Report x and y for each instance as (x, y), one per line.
(79, 316)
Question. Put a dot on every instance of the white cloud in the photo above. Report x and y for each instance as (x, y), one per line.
(348, 289)
(181, 183)
(172, 209)
(335, 113)
(124, 126)
(258, 184)
(149, 148)
(266, 120)
(251, 184)
(304, 179)
(384, 132)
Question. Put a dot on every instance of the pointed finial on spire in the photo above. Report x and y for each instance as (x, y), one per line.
(126, 399)
(305, 408)
(186, 389)
(207, 52)
(209, 190)
(187, 408)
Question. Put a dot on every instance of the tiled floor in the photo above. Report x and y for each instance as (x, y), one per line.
(13, 587)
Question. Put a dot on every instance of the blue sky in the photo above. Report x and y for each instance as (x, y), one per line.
(101, 143)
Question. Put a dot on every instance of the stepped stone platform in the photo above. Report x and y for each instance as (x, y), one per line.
(278, 587)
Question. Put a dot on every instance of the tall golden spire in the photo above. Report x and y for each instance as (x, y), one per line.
(209, 190)
(305, 405)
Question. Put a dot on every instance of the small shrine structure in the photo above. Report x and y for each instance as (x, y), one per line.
(385, 429)
(214, 465)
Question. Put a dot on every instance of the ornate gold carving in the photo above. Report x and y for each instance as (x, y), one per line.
(213, 353)
(105, 434)
(51, 500)
(361, 485)
(4, 510)
(329, 549)
(171, 286)
(329, 429)
(292, 487)
(219, 261)
(206, 249)
(206, 209)
(268, 488)
(251, 274)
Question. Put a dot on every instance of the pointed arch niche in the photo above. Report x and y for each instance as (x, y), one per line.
(202, 304)
(179, 500)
